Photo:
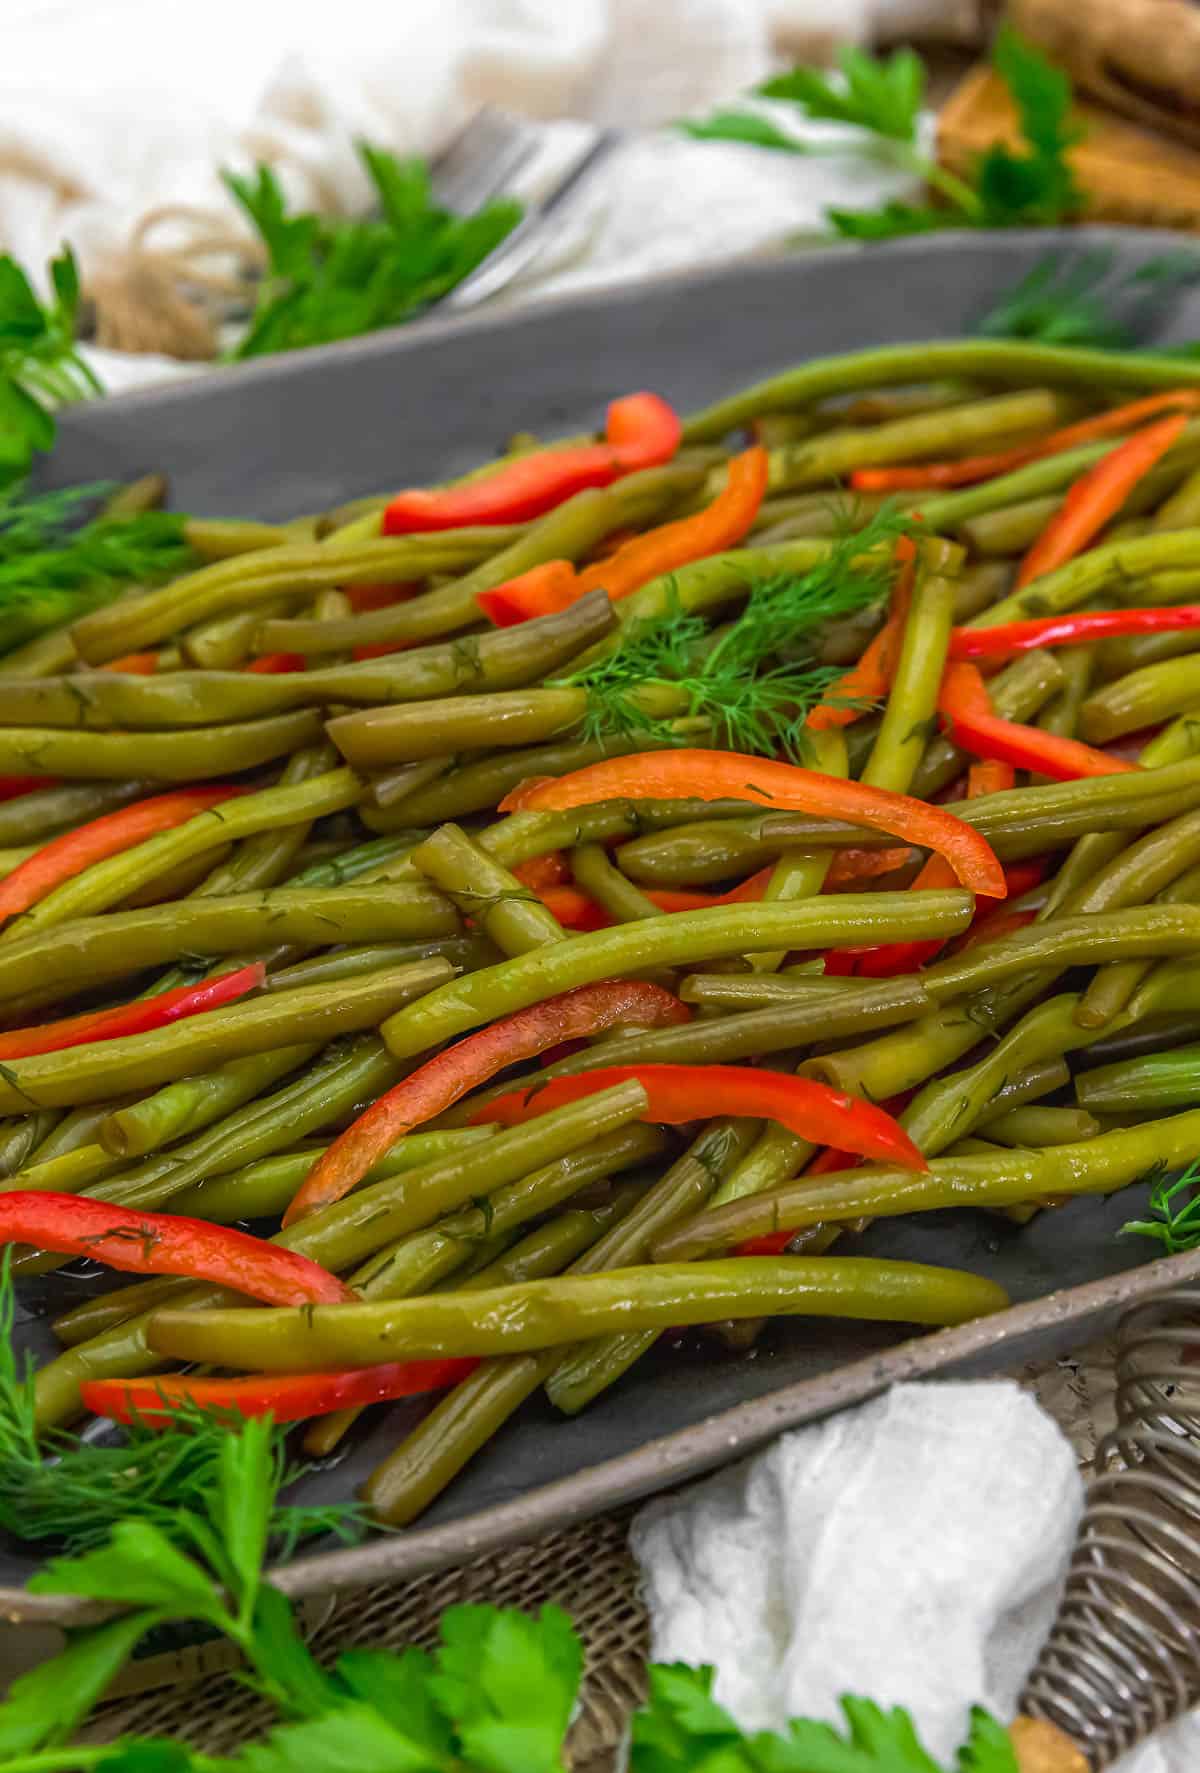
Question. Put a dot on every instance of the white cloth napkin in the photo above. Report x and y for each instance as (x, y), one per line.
(108, 113)
(911, 1551)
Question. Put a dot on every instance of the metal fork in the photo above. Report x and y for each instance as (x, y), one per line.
(481, 162)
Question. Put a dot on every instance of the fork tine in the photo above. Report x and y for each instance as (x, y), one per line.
(481, 160)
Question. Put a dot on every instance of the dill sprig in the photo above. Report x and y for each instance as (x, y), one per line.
(670, 668)
(1174, 1211)
(73, 1492)
(54, 568)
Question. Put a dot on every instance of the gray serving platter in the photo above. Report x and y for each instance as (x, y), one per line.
(298, 433)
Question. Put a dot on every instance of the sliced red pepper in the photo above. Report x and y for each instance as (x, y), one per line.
(287, 1397)
(543, 871)
(641, 431)
(721, 525)
(850, 866)
(162, 1243)
(773, 1244)
(575, 910)
(444, 1079)
(68, 855)
(871, 678)
(275, 664)
(990, 776)
(132, 1018)
(1097, 497)
(679, 1093)
(362, 598)
(1073, 629)
(728, 775)
(969, 469)
(134, 664)
(12, 787)
(964, 701)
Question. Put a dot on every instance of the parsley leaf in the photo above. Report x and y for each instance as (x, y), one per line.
(1038, 186)
(742, 126)
(988, 1748)
(39, 365)
(883, 96)
(508, 1682)
(332, 278)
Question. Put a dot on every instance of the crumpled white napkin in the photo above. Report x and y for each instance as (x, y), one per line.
(911, 1551)
(108, 113)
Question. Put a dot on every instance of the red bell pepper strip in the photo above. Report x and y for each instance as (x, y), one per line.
(773, 1244)
(68, 855)
(287, 1397)
(12, 787)
(1096, 498)
(444, 1079)
(972, 468)
(679, 1093)
(362, 598)
(275, 664)
(543, 871)
(1073, 629)
(575, 910)
(721, 525)
(641, 431)
(871, 678)
(728, 775)
(134, 664)
(990, 776)
(851, 866)
(161, 1243)
(132, 1018)
(963, 700)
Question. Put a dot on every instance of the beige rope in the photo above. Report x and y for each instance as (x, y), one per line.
(169, 298)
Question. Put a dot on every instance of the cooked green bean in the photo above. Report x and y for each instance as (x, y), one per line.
(417, 731)
(1039, 1126)
(1144, 1085)
(258, 1025)
(265, 859)
(567, 533)
(1010, 529)
(681, 939)
(157, 757)
(596, 875)
(1146, 697)
(107, 883)
(38, 815)
(195, 1103)
(511, 915)
(545, 1314)
(800, 874)
(912, 700)
(1010, 1178)
(979, 360)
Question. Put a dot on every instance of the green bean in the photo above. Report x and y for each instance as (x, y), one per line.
(20, 1138)
(218, 538)
(224, 642)
(522, 836)
(981, 360)
(721, 579)
(1092, 1166)
(1018, 692)
(741, 991)
(1145, 697)
(619, 897)
(44, 811)
(396, 784)
(1042, 1078)
(1113, 986)
(1112, 567)
(73, 1172)
(511, 915)
(259, 577)
(1143, 1085)
(261, 861)
(414, 1262)
(43, 656)
(194, 1103)
(463, 952)
(1116, 658)
(567, 533)
(1037, 1127)
(258, 1025)
(477, 787)
(698, 854)
(503, 659)
(544, 1314)
(49, 963)
(960, 431)
(800, 874)
(1010, 529)
(261, 1190)
(158, 757)
(80, 1127)
(682, 939)
(589, 1369)
(420, 730)
(107, 883)
(1141, 930)
(912, 700)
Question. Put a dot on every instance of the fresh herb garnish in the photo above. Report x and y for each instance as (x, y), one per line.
(1085, 301)
(329, 278)
(74, 1492)
(1175, 1212)
(40, 367)
(732, 683)
(883, 98)
(495, 1696)
(52, 572)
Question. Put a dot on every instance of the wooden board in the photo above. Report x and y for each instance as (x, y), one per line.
(1131, 174)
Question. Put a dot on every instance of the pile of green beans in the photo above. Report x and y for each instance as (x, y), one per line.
(395, 910)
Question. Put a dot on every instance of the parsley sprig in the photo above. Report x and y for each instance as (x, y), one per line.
(332, 278)
(736, 683)
(882, 98)
(40, 367)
